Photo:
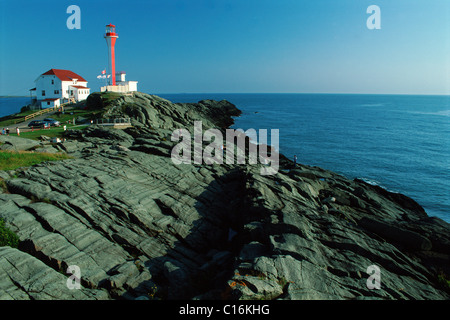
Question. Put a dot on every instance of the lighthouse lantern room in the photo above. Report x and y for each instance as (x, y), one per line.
(110, 30)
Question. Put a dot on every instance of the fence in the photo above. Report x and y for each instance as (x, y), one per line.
(40, 112)
(114, 122)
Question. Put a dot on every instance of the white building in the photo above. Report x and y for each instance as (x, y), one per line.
(121, 84)
(50, 103)
(61, 85)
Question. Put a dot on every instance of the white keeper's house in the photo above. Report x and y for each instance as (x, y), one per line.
(58, 86)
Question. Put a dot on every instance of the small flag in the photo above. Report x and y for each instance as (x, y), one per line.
(104, 72)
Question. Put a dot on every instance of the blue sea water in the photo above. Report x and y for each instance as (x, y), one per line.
(10, 105)
(399, 142)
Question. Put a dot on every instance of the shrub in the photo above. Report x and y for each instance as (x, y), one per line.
(94, 101)
(100, 100)
(444, 281)
(7, 237)
(25, 109)
(3, 186)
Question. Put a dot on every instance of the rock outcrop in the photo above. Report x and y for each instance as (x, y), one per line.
(140, 227)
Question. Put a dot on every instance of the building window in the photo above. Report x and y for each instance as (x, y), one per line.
(43, 93)
(48, 103)
(53, 81)
(56, 91)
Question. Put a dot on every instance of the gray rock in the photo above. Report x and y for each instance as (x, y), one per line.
(46, 149)
(409, 239)
(252, 250)
(28, 278)
(44, 138)
(178, 277)
(13, 143)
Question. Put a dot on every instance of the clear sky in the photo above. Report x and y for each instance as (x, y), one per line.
(233, 46)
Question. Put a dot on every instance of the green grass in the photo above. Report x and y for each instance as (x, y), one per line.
(13, 160)
(35, 135)
(111, 95)
(7, 237)
(52, 132)
(9, 121)
(68, 115)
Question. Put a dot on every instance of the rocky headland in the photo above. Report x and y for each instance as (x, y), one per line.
(140, 227)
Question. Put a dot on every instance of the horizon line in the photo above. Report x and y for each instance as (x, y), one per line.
(311, 93)
(343, 93)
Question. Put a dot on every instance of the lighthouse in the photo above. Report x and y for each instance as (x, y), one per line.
(111, 37)
(121, 85)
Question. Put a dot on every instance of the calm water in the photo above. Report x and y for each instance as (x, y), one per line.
(12, 105)
(401, 143)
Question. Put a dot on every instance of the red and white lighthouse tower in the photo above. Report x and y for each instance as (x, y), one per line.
(111, 37)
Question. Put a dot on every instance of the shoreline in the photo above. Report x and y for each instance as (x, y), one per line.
(140, 227)
(435, 211)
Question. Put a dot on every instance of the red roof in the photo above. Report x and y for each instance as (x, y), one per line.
(64, 75)
(51, 99)
(78, 87)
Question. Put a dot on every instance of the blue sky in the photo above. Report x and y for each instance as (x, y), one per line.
(233, 46)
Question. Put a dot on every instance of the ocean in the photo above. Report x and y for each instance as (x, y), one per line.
(399, 142)
(10, 105)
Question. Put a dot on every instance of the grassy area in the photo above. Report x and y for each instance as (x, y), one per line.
(13, 160)
(9, 121)
(111, 96)
(69, 115)
(52, 132)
